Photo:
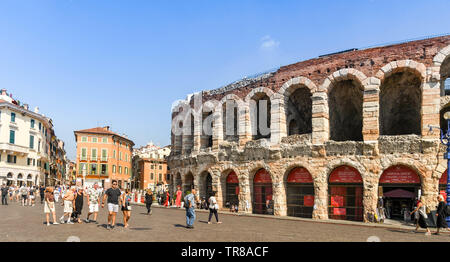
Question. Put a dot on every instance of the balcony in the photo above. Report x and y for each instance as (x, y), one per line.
(12, 148)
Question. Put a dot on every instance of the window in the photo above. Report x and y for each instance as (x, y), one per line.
(94, 140)
(126, 170)
(120, 155)
(32, 123)
(114, 169)
(83, 139)
(168, 177)
(160, 177)
(114, 154)
(32, 142)
(84, 154)
(126, 157)
(12, 135)
(151, 176)
(28, 161)
(104, 170)
(93, 170)
(39, 145)
(82, 165)
(94, 154)
(12, 159)
(40, 126)
(104, 155)
(120, 169)
(160, 167)
(34, 162)
(105, 140)
(13, 117)
(151, 167)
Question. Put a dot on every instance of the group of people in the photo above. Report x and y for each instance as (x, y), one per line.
(73, 201)
(24, 194)
(421, 216)
(191, 200)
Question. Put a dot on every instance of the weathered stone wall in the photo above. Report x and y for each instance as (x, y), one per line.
(395, 89)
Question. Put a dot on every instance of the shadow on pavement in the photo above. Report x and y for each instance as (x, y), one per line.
(178, 225)
(140, 228)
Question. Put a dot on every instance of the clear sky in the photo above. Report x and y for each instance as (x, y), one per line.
(123, 63)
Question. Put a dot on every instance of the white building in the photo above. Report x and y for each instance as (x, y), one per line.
(24, 143)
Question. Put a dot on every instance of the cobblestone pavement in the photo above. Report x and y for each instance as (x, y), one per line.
(19, 223)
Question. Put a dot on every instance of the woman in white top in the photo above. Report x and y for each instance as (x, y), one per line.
(213, 207)
(421, 210)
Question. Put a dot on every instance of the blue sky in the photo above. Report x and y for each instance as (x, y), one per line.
(123, 63)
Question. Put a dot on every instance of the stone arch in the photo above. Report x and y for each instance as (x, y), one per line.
(255, 102)
(292, 167)
(333, 164)
(444, 72)
(224, 173)
(401, 97)
(10, 178)
(297, 97)
(411, 165)
(345, 91)
(299, 195)
(188, 181)
(442, 121)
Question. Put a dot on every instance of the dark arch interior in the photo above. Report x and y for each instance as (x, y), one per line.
(299, 112)
(207, 138)
(190, 135)
(400, 104)
(345, 109)
(443, 122)
(259, 132)
(445, 77)
(189, 182)
(230, 121)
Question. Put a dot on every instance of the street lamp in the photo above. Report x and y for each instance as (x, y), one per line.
(445, 139)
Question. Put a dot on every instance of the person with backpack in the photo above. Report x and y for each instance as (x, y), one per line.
(441, 214)
(213, 207)
(421, 209)
(24, 193)
(189, 204)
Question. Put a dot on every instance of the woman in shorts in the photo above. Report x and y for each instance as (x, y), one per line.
(126, 207)
(49, 206)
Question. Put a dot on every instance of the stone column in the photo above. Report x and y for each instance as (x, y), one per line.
(370, 199)
(245, 132)
(197, 132)
(245, 194)
(217, 130)
(320, 198)
(277, 120)
(279, 198)
(371, 109)
(320, 123)
(216, 186)
(430, 189)
(430, 109)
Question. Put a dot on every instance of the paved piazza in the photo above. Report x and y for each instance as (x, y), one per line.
(19, 223)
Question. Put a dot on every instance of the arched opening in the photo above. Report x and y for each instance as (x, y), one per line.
(207, 130)
(178, 138)
(207, 189)
(29, 180)
(443, 185)
(20, 180)
(443, 122)
(299, 112)
(345, 194)
(260, 109)
(9, 179)
(262, 193)
(188, 183)
(178, 181)
(300, 193)
(190, 135)
(232, 190)
(230, 121)
(345, 111)
(400, 104)
(399, 186)
(445, 77)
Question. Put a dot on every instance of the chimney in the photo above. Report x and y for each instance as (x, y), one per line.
(106, 128)
(25, 106)
(3, 92)
(36, 110)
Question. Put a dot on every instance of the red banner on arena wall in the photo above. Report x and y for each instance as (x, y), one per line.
(345, 174)
(443, 180)
(337, 201)
(399, 175)
(299, 175)
(339, 211)
(232, 178)
(444, 194)
(308, 201)
(262, 176)
(237, 190)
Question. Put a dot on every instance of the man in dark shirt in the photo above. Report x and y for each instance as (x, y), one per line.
(4, 195)
(41, 192)
(113, 195)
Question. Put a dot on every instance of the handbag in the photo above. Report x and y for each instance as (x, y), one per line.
(129, 208)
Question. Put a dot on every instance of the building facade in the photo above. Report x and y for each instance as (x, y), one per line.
(26, 155)
(344, 129)
(103, 156)
(150, 167)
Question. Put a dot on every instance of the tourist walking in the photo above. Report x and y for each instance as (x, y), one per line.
(126, 206)
(32, 196)
(93, 196)
(421, 209)
(441, 216)
(179, 194)
(189, 204)
(78, 205)
(167, 198)
(68, 206)
(49, 205)
(213, 208)
(149, 201)
(41, 193)
(4, 190)
(112, 195)
(57, 193)
(24, 194)
(11, 192)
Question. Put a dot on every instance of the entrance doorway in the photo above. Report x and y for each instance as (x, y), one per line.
(208, 187)
(300, 193)
(399, 187)
(232, 190)
(345, 194)
(443, 185)
(189, 183)
(262, 193)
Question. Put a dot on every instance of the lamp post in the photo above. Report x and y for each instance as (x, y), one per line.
(445, 139)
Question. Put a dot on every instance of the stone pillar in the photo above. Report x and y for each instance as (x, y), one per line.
(430, 109)
(217, 130)
(245, 194)
(279, 198)
(430, 189)
(370, 199)
(320, 123)
(320, 198)
(371, 109)
(217, 187)
(245, 132)
(277, 120)
(197, 132)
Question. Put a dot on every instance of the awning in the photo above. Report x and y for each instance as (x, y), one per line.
(399, 193)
